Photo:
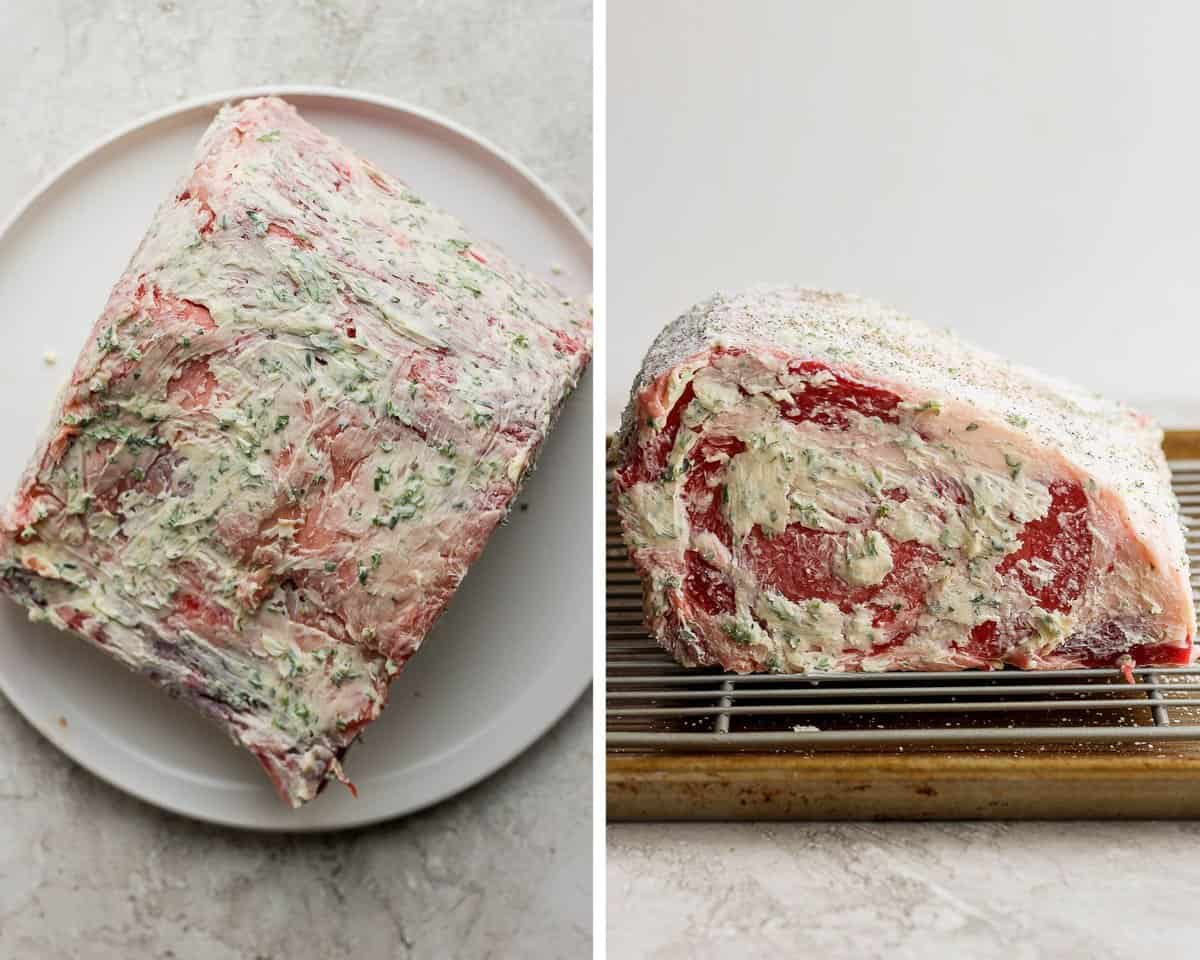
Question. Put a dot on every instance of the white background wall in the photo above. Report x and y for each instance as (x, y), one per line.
(1025, 172)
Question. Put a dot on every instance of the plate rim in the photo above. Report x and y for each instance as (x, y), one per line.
(526, 735)
(293, 90)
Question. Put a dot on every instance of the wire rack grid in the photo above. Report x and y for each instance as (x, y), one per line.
(655, 705)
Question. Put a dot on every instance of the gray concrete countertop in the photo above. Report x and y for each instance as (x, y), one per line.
(505, 868)
(903, 891)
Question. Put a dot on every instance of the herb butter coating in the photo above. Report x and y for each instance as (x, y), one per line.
(308, 402)
(809, 481)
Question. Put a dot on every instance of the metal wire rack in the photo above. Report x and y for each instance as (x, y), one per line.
(656, 705)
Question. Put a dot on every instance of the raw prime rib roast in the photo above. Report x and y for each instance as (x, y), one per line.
(307, 403)
(811, 482)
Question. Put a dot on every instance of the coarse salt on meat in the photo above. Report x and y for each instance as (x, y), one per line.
(809, 481)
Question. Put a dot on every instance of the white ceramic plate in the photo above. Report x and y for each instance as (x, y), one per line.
(514, 648)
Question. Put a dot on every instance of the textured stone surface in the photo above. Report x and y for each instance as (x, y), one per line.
(502, 870)
(903, 891)
(517, 71)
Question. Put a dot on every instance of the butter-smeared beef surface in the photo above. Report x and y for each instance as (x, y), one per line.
(809, 481)
(308, 402)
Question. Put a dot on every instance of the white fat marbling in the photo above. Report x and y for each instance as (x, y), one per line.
(502, 870)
